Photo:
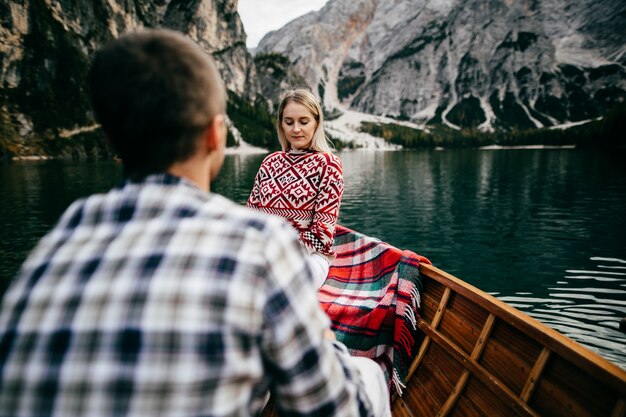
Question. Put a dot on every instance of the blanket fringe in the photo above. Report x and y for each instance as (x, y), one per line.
(397, 383)
(415, 297)
(409, 315)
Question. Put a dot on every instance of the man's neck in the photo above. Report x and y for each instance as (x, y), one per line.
(194, 172)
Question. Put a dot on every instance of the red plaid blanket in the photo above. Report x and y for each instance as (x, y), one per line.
(372, 296)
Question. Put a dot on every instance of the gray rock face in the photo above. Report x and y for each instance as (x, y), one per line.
(276, 75)
(471, 63)
(46, 47)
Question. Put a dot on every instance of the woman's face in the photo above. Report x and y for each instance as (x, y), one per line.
(299, 125)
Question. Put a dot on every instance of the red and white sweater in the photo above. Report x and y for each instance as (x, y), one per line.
(305, 187)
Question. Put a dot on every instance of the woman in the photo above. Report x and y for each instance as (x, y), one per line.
(304, 182)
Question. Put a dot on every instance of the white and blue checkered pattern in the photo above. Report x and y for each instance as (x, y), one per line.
(159, 299)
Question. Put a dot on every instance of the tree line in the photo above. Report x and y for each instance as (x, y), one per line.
(606, 132)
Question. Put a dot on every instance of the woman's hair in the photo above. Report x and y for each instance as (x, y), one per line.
(154, 92)
(320, 141)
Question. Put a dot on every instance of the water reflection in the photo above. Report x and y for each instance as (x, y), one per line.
(501, 207)
(34, 194)
(522, 225)
(237, 176)
(541, 229)
(585, 305)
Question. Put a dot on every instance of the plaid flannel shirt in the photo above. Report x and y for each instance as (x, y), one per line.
(160, 299)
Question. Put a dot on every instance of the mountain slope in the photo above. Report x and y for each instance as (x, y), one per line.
(473, 63)
(45, 51)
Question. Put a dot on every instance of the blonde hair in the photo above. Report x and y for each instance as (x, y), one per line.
(320, 141)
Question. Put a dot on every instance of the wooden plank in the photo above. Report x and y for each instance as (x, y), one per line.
(620, 409)
(480, 400)
(415, 402)
(460, 385)
(510, 355)
(400, 409)
(462, 322)
(418, 358)
(592, 363)
(565, 390)
(442, 307)
(432, 383)
(434, 323)
(432, 292)
(484, 336)
(440, 372)
(455, 394)
(477, 370)
(535, 374)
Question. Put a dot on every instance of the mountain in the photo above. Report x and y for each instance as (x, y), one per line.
(46, 48)
(487, 64)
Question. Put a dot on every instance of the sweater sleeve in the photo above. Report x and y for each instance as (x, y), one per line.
(320, 236)
(254, 199)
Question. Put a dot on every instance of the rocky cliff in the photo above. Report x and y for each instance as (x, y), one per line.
(464, 63)
(45, 51)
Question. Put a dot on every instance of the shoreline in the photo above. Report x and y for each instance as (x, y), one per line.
(505, 147)
(253, 150)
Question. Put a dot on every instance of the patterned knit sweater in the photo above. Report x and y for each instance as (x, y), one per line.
(304, 187)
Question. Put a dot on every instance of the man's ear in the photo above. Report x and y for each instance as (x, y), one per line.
(215, 135)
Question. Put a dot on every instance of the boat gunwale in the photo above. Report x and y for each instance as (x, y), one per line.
(559, 344)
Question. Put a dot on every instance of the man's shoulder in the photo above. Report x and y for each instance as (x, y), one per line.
(244, 217)
(179, 212)
(140, 202)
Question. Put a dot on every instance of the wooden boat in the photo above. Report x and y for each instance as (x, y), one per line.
(477, 356)
(482, 357)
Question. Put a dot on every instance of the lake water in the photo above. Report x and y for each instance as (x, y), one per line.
(543, 230)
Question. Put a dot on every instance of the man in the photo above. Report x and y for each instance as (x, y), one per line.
(160, 298)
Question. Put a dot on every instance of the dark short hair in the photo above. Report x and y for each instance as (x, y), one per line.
(154, 92)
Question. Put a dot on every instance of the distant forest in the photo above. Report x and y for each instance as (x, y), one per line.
(257, 126)
(608, 132)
